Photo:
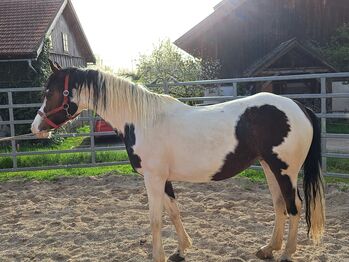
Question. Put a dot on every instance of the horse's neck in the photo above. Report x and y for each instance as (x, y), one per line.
(115, 119)
(119, 114)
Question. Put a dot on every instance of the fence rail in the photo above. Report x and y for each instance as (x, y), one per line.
(324, 79)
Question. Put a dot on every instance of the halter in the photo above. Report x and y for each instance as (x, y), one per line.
(65, 106)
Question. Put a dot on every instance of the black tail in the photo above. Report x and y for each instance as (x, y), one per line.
(313, 183)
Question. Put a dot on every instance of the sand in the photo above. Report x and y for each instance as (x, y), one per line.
(106, 219)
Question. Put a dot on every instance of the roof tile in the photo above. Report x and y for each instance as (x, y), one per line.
(23, 23)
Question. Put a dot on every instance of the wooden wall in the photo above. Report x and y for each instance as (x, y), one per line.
(249, 32)
(74, 56)
(68, 61)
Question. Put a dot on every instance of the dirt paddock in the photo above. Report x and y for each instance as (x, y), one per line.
(106, 219)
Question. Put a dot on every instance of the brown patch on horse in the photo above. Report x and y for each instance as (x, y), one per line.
(258, 130)
(129, 138)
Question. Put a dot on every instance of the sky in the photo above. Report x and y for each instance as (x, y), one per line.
(120, 30)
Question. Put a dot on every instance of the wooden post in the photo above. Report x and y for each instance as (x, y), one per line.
(12, 129)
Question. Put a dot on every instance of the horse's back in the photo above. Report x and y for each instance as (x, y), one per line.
(200, 141)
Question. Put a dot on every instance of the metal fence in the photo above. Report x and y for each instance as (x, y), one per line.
(234, 84)
(92, 149)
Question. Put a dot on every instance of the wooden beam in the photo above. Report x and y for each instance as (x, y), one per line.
(293, 71)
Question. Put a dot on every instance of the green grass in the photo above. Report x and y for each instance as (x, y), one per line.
(337, 126)
(59, 159)
(63, 159)
(335, 165)
(338, 165)
(66, 144)
(71, 172)
(253, 175)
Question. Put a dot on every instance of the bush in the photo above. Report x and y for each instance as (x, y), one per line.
(337, 49)
(167, 63)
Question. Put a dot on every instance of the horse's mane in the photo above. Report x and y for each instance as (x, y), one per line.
(131, 101)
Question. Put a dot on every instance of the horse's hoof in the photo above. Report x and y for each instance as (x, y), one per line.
(285, 260)
(262, 255)
(176, 257)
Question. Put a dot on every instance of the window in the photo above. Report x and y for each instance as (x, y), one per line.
(65, 43)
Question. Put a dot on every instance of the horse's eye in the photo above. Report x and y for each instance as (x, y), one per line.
(48, 94)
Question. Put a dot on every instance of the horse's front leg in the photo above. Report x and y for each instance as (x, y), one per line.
(184, 241)
(155, 189)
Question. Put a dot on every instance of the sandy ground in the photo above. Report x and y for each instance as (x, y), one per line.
(106, 219)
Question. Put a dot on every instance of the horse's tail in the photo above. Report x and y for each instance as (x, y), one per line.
(313, 184)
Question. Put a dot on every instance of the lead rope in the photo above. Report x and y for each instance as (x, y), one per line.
(29, 135)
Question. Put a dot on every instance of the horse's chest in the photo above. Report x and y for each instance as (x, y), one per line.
(129, 137)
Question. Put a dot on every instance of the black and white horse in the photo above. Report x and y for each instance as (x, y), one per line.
(167, 140)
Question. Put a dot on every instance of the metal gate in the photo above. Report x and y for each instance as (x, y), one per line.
(234, 84)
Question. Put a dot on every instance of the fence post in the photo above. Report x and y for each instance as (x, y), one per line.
(166, 88)
(235, 89)
(12, 129)
(92, 137)
(323, 126)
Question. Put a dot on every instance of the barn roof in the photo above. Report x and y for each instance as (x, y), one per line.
(242, 34)
(281, 50)
(24, 24)
(221, 10)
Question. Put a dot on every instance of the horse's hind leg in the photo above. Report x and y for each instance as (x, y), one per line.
(291, 244)
(184, 240)
(275, 243)
(287, 183)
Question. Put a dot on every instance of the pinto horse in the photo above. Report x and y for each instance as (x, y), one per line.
(167, 140)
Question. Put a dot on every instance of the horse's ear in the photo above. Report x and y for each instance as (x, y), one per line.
(55, 67)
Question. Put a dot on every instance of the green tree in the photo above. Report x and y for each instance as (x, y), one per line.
(130, 74)
(167, 63)
(101, 66)
(337, 49)
(42, 65)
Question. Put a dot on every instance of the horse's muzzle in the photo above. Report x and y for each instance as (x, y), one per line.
(41, 134)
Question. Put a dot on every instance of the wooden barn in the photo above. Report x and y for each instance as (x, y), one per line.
(24, 26)
(268, 38)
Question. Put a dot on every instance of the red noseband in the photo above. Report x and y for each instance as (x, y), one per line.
(65, 107)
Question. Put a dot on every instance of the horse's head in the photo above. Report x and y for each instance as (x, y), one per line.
(58, 106)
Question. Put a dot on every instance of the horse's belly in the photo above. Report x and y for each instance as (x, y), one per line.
(191, 176)
(202, 154)
(199, 168)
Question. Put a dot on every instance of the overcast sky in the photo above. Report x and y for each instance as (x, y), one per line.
(118, 31)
